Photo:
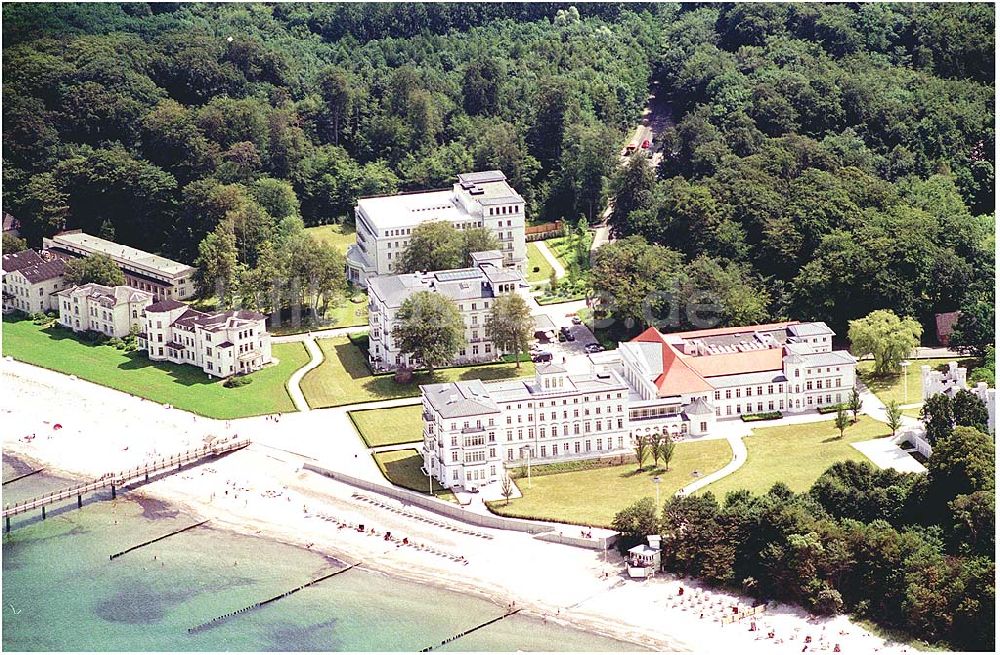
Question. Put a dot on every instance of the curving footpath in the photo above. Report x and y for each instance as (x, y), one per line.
(739, 458)
(551, 259)
(294, 390)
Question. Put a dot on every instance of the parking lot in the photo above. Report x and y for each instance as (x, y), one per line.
(570, 354)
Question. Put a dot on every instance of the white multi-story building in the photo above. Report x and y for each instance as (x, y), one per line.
(471, 429)
(162, 277)
(220, 343)
(108, 310)
(952, 381)
(781, 367)
(384, 224)
(473, 291)
(679, 384)
(30, 280)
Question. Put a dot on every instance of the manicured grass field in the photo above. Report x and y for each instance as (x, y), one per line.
(892, 387)
(390, 426)
(796, 454)
(338, 235)
(402, 468)
(560, 247)
(344, 379)
(536, 259)
(184, 387)
(348, 314)
(594, 496)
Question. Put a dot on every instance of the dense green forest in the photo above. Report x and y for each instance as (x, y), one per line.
(826, 160)
(833, 159)
(133, 114)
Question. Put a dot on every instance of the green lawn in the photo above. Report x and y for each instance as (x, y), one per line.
(796, 454)
(537, 260)
(402, 468)
(344, 379)
(347, 314)
(892, 387)
(388, 427)
(338, 235)
(594, 496)
(184, 387)
(561, 248)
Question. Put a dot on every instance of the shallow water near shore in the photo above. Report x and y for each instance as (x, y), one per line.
(62, 592)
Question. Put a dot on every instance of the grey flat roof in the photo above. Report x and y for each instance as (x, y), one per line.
(123, 253)
(814, 329)
(387, 212)
(459, 399)
(835, 358)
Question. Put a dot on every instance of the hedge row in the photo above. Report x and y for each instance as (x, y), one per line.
(763, 416)
(832, 409)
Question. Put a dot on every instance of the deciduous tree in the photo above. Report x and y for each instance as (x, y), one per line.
(97, 268)
(430, 328)
(509, 325)
(886, 337)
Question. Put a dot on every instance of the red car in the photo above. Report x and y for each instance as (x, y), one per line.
(646, 144)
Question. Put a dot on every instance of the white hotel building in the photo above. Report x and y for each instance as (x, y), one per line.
(472, 428)
(219, 343)
(384, 223)
(472, 290)
(679, 384)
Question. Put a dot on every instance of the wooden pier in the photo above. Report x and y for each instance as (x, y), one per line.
(118, 480)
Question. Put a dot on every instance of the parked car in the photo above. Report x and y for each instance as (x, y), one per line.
(569, 336)
(562, 336)
(543, 356)
(593, 348)
(577, 320)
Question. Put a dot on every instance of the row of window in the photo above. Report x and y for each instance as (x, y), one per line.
(552, 415)
(503, 209)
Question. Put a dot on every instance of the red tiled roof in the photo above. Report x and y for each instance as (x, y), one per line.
(677, 376)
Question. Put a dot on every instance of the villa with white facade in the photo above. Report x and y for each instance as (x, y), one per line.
(219, 343)
(483, 199)
(162, 277)
(680, 384)
(471, 289)
(31, 279)
(112, 311)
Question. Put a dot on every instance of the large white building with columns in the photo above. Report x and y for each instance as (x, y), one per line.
(680, 384)
(384, 224)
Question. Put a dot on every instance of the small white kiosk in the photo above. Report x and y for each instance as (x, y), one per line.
(644, 560)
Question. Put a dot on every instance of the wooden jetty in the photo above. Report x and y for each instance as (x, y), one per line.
(122, 478)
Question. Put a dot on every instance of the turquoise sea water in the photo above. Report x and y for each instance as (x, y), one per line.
(62, 592)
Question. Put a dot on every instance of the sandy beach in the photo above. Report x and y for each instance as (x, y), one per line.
(264, 491)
